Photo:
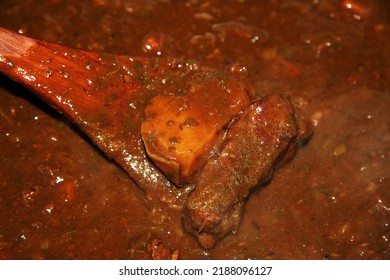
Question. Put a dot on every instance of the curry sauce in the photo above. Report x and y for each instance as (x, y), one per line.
(61, 198)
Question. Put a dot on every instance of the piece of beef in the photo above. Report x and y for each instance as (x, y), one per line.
(255, 143)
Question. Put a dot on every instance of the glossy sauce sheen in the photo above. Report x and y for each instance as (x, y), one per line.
(60, 198)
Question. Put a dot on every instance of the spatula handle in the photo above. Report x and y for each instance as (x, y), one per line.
(54, 72)
(13, 44)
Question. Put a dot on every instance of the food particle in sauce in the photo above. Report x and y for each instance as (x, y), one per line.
(331, 202)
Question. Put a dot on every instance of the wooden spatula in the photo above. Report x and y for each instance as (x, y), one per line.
(104, 95)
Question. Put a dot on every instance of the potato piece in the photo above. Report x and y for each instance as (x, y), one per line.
(179, 131)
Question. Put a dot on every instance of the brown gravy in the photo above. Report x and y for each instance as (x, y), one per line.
(60, 198)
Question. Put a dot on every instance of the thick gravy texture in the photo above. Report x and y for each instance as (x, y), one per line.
(61, 198)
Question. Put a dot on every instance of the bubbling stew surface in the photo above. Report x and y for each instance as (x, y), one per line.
(61, 198)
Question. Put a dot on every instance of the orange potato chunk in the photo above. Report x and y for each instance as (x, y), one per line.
(180, 130)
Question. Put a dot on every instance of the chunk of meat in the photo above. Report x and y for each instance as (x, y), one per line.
(255, 143)
(179, 130)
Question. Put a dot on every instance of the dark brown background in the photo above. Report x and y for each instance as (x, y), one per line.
(61, 198)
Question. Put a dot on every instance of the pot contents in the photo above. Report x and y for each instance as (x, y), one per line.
(254, 144)
(289, 66)
(179, 130)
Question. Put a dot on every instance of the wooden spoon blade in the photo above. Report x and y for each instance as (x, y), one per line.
(104, 95)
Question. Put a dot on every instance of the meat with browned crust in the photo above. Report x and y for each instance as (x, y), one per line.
(256, 142)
